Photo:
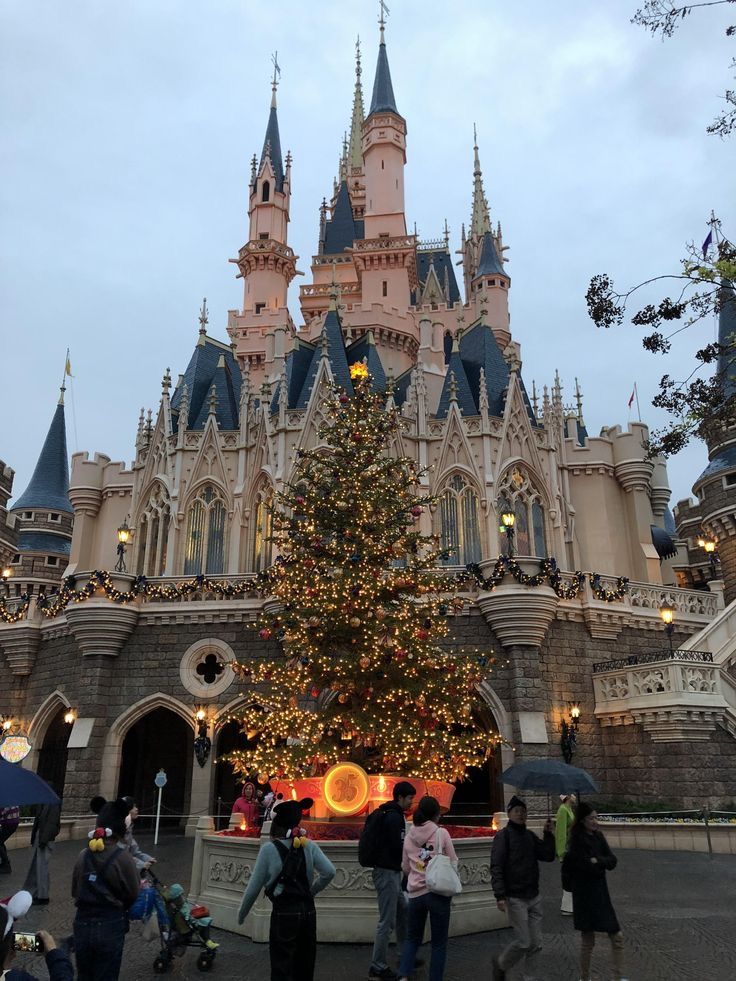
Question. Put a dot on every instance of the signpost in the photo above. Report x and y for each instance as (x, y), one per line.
(160, 781)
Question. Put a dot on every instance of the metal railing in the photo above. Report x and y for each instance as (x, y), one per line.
(653, 657)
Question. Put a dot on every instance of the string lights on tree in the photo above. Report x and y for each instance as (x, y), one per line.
(361, 674)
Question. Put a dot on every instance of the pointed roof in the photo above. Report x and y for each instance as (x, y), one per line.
(489, 263)
(212, 363)
(365, 349)
(480, 220)
(383, 91)
(334, 339)
(456, 382)
(479, 349)
(272, 146)
(441, 260)
(355, 141)
(341, 230)
(49, 486)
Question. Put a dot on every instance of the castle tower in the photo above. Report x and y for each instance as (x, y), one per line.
(265, 262)
(386, 257)
(486, 282)
(44, 515)
(716, 486)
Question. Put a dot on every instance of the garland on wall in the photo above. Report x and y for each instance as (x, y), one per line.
(54, 603)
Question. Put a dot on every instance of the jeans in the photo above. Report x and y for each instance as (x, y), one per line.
(525, 919)
(587, 943)
(391, 915)
(438, 908)
(99, 947)
(292, 942)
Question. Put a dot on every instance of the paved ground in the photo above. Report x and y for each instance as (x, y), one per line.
(676, 910)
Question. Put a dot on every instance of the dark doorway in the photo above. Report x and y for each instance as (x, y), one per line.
(160, 740)
(53, 753)
(481, 794)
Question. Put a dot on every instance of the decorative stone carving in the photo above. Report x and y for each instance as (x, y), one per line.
(101, 627)
(519, 615)
(19, 642)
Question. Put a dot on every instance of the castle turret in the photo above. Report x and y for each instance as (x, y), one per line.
(265, 262)
(716, 486)
(386, 257)
(43, 514)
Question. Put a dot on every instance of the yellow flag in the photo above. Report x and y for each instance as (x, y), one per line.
(68, 367)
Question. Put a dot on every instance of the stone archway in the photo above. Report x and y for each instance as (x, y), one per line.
(53, 751)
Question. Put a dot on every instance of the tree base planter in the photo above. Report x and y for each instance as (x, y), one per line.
(347, 911)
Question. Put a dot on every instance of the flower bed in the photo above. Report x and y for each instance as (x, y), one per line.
(323, 831)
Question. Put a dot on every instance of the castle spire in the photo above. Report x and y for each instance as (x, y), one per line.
(480, 221)
(49, 485)
(272, 139)
(383, 93)
(355, 148)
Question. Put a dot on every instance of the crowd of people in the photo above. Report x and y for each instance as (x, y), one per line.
(414, 870)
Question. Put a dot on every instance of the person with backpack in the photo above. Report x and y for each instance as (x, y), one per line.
(292, 869)
(425, 841)
(381, 848)
(584, 868)
(105, 884)
(515, 856)
(9, 819)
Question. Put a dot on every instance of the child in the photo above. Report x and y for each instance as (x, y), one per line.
(286, 866)
(199, 924)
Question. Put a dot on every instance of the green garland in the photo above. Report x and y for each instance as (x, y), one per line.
(54, 603)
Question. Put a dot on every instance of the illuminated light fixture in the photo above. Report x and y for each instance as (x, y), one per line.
(709, 547)
(7, 573)
(358, 370)
(508, 520)
(202, 742)
(667, 613)
(123, 539)
(70, 717)
(569, 733)
(7, 725)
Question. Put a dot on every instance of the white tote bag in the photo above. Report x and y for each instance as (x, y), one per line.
(441, 876)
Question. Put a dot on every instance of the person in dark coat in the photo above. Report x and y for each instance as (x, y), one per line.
(515, 857)
(584, 868)
(46, 827)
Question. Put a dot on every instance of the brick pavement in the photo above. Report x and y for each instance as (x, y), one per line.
(676, 910)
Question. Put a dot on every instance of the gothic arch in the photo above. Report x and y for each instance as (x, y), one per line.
(503, 721)
(44, 716)
(112, 751)
(152, 525)
(457, 516)
(259, 547)
(206, 528)
(520, 488)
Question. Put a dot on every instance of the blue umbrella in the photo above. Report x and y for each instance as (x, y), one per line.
(551, 775)
(19, 786)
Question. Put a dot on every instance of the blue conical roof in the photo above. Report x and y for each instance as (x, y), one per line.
(489, 264)
(272, 144)
(49, 486)
(383, 91)
(340, 232)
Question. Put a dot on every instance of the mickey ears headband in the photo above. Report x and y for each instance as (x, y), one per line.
(16, 907)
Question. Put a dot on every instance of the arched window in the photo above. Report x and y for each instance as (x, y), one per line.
(459, 532)
(265, 191)
(519, 495)
(205, 537)
(262, 529)
(153, 533)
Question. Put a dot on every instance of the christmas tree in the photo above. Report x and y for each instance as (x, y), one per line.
(361, 612)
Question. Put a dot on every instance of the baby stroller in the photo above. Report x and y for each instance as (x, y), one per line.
(185, 926)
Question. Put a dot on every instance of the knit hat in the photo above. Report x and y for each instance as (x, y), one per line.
(515, 802)
(111, 814)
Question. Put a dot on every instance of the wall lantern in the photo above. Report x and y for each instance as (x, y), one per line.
(569, 732)
(202, 742)
(123, 539)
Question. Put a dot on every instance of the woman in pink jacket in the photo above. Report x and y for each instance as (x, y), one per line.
(424, 840)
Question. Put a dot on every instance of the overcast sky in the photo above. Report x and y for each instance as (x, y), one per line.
(127, 131)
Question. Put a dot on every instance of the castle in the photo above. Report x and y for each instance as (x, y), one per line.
(224, 441)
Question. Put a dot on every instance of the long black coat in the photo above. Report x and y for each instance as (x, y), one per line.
(593, 911)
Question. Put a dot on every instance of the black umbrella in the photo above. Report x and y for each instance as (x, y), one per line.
(19, 786)
(551, 775)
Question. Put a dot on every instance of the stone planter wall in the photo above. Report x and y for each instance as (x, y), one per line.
(347, 909)
(670, 837)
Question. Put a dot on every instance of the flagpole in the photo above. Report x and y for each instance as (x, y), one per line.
(636, 392)
(68, 373)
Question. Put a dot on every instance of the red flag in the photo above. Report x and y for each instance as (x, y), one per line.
(633, 396)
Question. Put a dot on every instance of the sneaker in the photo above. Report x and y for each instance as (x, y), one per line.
(211, 945)
(384, 974)
(498, 972)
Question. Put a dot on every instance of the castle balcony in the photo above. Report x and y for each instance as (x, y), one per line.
(676, 696)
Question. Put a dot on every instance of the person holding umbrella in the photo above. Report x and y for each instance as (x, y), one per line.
(515, 857)
(584, 870)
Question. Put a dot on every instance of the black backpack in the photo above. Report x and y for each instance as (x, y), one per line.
(370, 839)
(292, 877)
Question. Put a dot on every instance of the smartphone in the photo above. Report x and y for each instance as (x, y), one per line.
(28, 943)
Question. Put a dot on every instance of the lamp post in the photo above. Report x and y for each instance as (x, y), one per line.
(569, 733)
(712, 552)
(667, 613)
(123, 539)
(508, 519)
